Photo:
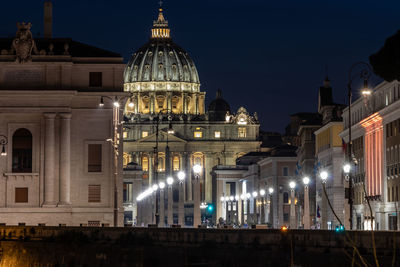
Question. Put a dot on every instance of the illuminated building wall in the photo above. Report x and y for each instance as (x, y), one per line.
(373, 153)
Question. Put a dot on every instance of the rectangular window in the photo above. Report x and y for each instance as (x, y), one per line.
(94, 157)
(285, 171)
(145, 164)
(145, 134)
(242, 132)
(217, 134)
(128, 192)
(198, 134)
(95, 79)
(21, 195)
(125, 135)
(94, 193)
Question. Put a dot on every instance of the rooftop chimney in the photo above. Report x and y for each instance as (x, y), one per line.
(48, 19)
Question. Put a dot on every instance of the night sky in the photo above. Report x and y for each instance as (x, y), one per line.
(268, 56)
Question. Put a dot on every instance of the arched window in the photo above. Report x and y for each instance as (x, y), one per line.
(145, 163)
(22, 151)
(175, 163)
(161, 162)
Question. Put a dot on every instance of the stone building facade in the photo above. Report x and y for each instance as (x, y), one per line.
(54, 168)
(166, 98)
(375, 131)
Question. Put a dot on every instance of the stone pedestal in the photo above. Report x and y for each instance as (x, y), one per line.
(162, 209)
(196, 202)
(292, 211)
(181, 207)
(170, 213)
(306, 218)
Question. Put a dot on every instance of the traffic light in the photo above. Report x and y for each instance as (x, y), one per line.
(339, 228)
(210, 208)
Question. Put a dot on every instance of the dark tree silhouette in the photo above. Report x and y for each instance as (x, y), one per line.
(386, 62)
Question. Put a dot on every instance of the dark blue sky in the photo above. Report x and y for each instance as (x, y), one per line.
(268, 56)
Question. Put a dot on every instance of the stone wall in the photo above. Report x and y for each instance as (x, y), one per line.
(75, 246)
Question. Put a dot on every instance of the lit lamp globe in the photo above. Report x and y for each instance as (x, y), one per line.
(255, 194)
(270, 190)
(231, 198)
(262, 192)
(181, 176)
(226, 198)
(292, 185)
(197, 169)
(346, 168)
(237, 198)
(161, 185)
(248, 195)
(222, 199)
(170, 180)
(155, 187)
(306, 180)
(324, 176)
(242, 197)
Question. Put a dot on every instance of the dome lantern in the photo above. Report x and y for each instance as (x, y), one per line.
(160, 28)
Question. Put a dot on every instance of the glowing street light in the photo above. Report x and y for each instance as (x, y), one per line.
(255, 194)
(324, 176)
(181, 176)
(170, 180)
(155, 187)
(306, 180)
(262, 192)
(270, 190)
(292, 185)
(161, 185)
(197, 169)
(347, 168)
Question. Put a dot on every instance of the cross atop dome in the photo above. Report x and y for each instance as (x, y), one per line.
(160, 28)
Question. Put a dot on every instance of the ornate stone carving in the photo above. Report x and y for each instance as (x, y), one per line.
(23, 43)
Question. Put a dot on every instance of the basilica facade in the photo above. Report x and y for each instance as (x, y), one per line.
(169, 130)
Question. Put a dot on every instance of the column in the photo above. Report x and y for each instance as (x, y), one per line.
(49, 163)
(187, 169)
(262, 210)
(169, 101)
(65, 159)
(162, 208)
(184, 103)
(170, 206)
(208, 177)
(151, 172)
(181, 207)
(136, 99)
(239, 202)
(196, 202)
(306, 218)
(292, 211)
(196, 99)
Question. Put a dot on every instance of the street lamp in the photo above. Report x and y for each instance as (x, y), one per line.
(346, 168)
(324, 176)
(365, 73)
(292, 186)
(306, 217)
(3, 143)
(170, 218)
(115, 142)
(262, 206)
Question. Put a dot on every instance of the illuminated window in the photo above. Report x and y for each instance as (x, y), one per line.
(145, 134)
(198, 158)
(175, 163)
(198, 134)
(145, 164)
(242, 132)
(125, 135)
(217, 134)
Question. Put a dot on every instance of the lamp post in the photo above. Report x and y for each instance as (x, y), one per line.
(3, 143)
(262, 211)
(161, 185)
(255, 194)
(292, 186)
(170, 214)
(196, 207)
(365, 73)
(270, 208)
(115, 143)
(306, 218)
(181, 207)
